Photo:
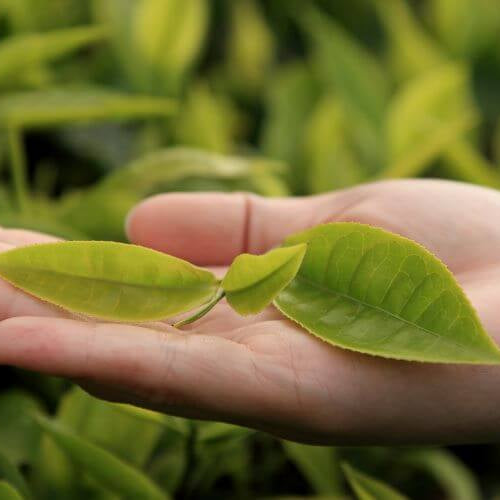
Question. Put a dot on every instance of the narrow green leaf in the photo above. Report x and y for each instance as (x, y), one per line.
(251, 46)
(328, 149)
(107, 425)
(367, 488)
(349, 69)
(167, 36)
(100, 464)
(207, 120)
(108, 280)
(318, 464)
(44, 108)
(253, 281)
(283, 128)
(425, 117)
(8, 492)
(19, 436)
(368, 290)
(411, 51)
(21, 52)
(454, 477)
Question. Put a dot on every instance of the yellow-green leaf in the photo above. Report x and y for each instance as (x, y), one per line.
(368, 290)
(21, 52)
(108, 280)
(100, 464)
(368, 488)
(44, 108)
(253, 281)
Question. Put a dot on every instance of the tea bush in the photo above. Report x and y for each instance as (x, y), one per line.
(106, 102)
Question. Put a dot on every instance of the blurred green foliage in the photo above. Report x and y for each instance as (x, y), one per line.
(105, 102)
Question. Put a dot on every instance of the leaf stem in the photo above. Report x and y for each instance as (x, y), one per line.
(196, 316)
(18, 168)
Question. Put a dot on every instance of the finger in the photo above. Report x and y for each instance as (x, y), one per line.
(178, 373)
(19, 237)
(213, 228)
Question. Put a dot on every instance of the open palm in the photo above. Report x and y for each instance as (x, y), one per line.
(264, 371)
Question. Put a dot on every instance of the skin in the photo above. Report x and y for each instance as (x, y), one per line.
(264, 371)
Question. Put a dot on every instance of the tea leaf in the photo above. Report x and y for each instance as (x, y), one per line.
(454, 477)
(100, 464)
(318, 464)
(44, 108)
(251, 46)
(328, 151)
(167, 37)
(105, 424)
(368, 290)
(23, 51)
(467, 27)
(282, 131)
(8, 492)
(430, 114)
(207, 120)
(353, 71)
(253, 281)
(108, 280)
(367, 488)
(19, 436)
(411, 51)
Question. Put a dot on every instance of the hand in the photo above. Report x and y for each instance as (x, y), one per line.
(264, 371)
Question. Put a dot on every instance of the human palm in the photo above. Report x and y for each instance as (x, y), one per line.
(264, 371)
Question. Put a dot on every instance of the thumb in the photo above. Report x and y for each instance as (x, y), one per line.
(213, 228)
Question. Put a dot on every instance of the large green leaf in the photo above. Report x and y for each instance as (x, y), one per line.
(100, 464)
(21, 52)
(253, 281)
(368, 488)
(365, 289)
(44, 108)
(108, 280)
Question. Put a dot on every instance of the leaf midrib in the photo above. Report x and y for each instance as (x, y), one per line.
(108, 281)
(363, 303)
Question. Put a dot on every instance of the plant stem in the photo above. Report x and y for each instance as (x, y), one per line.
(18, 168)
(196, 316)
